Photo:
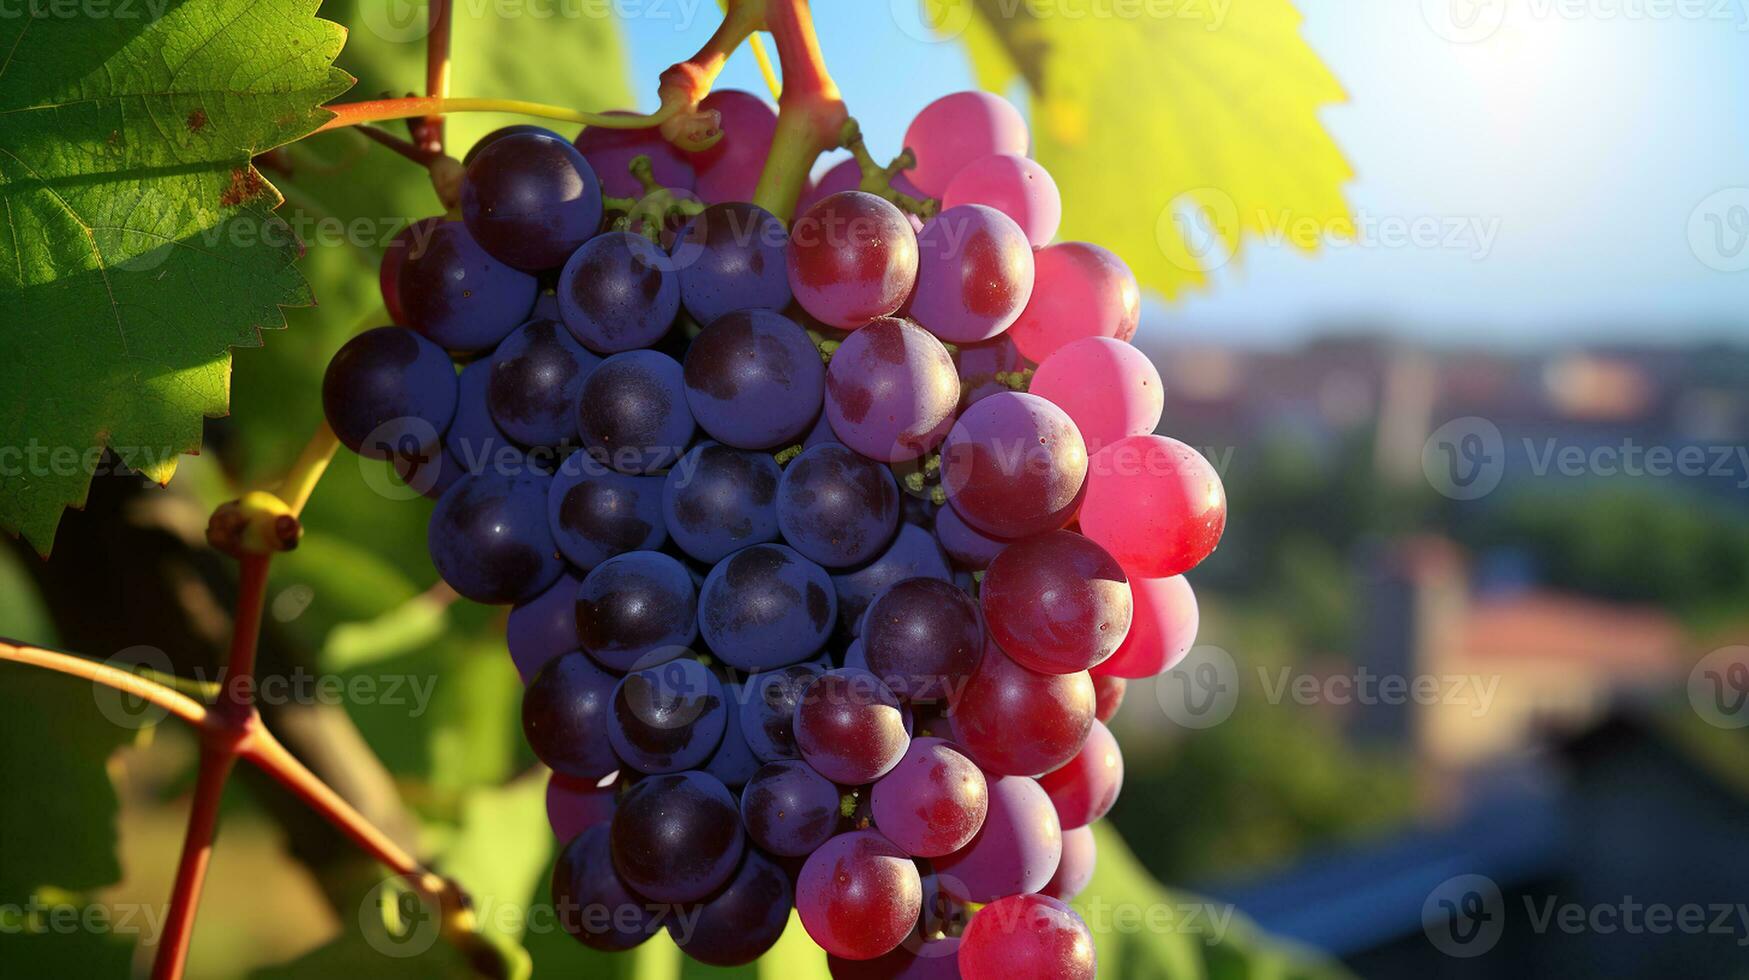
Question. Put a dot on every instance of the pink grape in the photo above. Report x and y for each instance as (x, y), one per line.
(1057, 710)
(891, 391)
(974, 274)
(729, 170)
(956, 129)
(1078, 290)
(933, 803)
(1108, 387)
(610, 153)
(1013, 465)
(852, 257)
(1018, 187)
(1027, 936)
(1056, 603)
(1017, 849)
(859, 896)
(847, 176)
(1084, 789)
(1154, 503)
(1109, 690)
(1162, 630)
(1075, 870)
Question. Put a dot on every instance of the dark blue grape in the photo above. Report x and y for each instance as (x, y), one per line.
(717, 500)
(765, 607)
(545, 627)
(564, 717)
(592, 904)
(656, 816)
(637, 610)
(769, 707)
(923, 637)
(618, 293)
(597, 513)
(821, 434)
(742, 921)
(731, 257)
(515, 129)
(632, 414)
(754, 380)
(667, 718)
(531, 200)
(474, 442)
(389, 392)
(733, 762)
(538, 373)
(912, 554)
(837, 507)
(490, 540)
(790, 809)
(457, 295)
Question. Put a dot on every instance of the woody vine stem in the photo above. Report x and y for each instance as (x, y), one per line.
(811, 119)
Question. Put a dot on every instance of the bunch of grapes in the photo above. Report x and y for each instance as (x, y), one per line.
(829, 547)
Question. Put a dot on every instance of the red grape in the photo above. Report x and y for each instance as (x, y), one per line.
(1016, 721)
(1013, 465)
(1027, 936)
(849, 727)
(1108, 387)
(1017, 849)
(1084, 788)
(933, 802)
(1057, 602)
(852, 257)
(1075, 870)
(1155, 504)
(1078, 290)
(1108, 690)
(1161, 633)
(859, 895)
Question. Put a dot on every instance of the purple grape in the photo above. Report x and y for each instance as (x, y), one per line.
(632, 413)
(1015, 852)
(490, 541)
(531, 199)
(575, 805)
(754, 380)
(923, 638)
(968, 548)
(740, 922)
(636, 610)
(821, 434)
(389, 392)
(730, 258)
(593, 905)
(564, 717)
(891, 391)
(717, 500)
(1075, 870)
(912, 554)
(769, 709)
(1014, 466)
(656, 816)
(837, 507)
(515, 129)
(935, 959)
(596, 513)
(846, 175)
(667, 718)
(974, 274)
(988, 359)
(474, 442)
(457, 295)
(733, 762)
(852, 258)
(538, 373)
(859, 896)
(545, 627)
(729, 170)
(394, 260)
(610, 152)
(933, 802)
(849, 727)
(766, 606)
(617, 293)
(790, 809)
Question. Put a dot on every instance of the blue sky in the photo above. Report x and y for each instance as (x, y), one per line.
(1584, 164)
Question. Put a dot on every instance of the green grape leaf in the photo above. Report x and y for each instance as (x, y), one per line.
(1174, 134)
(138, 243)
